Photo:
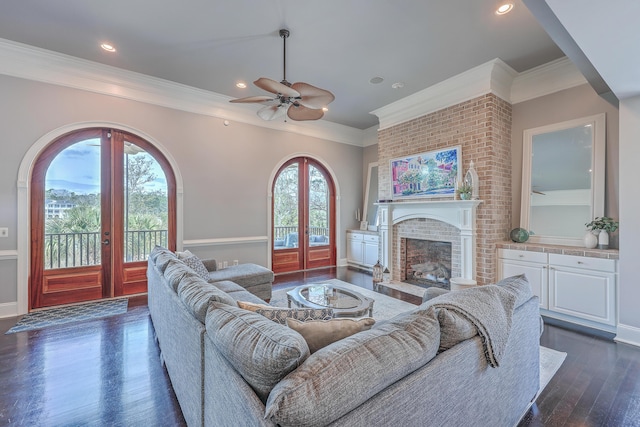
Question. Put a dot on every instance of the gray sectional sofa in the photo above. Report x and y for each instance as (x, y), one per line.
(466, 358)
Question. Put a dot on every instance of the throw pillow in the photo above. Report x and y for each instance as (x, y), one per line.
(338, 378)
(321, 333)
(196, 265)
(263, 352)
(280, 315)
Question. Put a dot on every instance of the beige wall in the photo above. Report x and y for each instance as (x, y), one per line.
(561, 106)
(225, 169)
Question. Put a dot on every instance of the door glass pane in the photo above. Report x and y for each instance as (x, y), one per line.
(146, 206)
(285, 208)
(72, 207)
(318, 208)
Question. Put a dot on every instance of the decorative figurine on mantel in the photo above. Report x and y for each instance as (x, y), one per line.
(471, 179)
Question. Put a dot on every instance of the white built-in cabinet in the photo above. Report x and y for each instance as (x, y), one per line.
(362, 248)
(578, 289)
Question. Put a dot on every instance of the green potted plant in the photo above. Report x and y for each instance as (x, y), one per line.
(603, 226)
(464, 191)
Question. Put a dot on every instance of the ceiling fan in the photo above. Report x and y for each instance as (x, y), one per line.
(300, 101)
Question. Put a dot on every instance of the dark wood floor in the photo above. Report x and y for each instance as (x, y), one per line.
(107, 372)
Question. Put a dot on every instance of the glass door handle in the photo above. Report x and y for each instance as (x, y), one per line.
(105, 242)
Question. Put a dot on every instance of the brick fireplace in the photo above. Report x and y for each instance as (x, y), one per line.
(482, 127)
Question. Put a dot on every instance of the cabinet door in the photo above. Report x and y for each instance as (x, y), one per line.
(536, 275)
(587, 294)
(354, 248)
(370, 253)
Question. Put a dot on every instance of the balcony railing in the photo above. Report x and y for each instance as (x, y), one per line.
(287, 237)
(64, 250)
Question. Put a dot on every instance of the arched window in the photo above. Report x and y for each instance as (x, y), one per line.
(101, 199)
(303, 217)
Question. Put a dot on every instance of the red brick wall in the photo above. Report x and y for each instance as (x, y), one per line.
(482, 126)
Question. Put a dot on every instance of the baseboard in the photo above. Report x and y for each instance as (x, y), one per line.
(583, 329)
(628, 335)
(342, 262)
(8, 309)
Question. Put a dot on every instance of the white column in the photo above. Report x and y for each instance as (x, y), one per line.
(385, 231)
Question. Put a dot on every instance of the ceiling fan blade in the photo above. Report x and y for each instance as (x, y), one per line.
(272, 112)
(276, 87)
(262, 99)
(301, 112)
(311, 96)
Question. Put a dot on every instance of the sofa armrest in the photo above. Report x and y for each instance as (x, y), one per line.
(433, 292)
(210, 264)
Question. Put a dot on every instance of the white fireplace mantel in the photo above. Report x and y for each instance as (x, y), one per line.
(459, 213)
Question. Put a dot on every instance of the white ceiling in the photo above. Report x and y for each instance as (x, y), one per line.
(609, 36)
(335, 44)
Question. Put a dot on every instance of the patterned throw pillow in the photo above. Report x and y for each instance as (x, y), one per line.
(280, 315)
(196, 265)
(321, 333)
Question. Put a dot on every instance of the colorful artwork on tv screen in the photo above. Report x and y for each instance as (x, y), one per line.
(431, 174)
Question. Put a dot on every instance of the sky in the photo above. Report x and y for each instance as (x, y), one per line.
(77, 169)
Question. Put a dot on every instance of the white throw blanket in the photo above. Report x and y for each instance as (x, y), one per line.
(489, 309)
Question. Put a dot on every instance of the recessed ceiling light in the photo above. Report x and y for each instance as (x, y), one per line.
(397, 85)
(108, 47)
(241, 85)
(376, 80)
(504, 8)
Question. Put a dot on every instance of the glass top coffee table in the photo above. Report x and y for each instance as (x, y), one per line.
(344, 302)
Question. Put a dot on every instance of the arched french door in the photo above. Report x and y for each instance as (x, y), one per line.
(303, 215)
(101, 199)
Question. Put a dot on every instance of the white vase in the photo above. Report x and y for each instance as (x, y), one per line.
(603, 240)
(590, 240)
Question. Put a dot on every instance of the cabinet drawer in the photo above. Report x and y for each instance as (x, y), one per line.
(514, 254)
(372, 238)
(355, 236)
(599, 264)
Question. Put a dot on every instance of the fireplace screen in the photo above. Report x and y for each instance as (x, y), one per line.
(427, 263)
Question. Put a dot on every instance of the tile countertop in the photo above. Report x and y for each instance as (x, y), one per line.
(557, 249)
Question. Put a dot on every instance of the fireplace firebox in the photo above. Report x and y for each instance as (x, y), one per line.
(427, 263)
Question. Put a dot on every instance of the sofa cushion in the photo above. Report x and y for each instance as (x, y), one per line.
(196, 265)
(340, 377)
(228, 286)
(519, 286)
(175, 271)
(245, 275)
(280, 315)
(196, 294)
(163, 260)
(263, 352)
(321, 333)
(244, 295)
(455, 328)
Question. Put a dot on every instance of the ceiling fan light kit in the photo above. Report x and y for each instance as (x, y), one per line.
(299, 101)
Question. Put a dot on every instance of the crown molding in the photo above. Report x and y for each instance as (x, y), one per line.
(32, 63)
(28, 62)
(548, 78)
(491, 77)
